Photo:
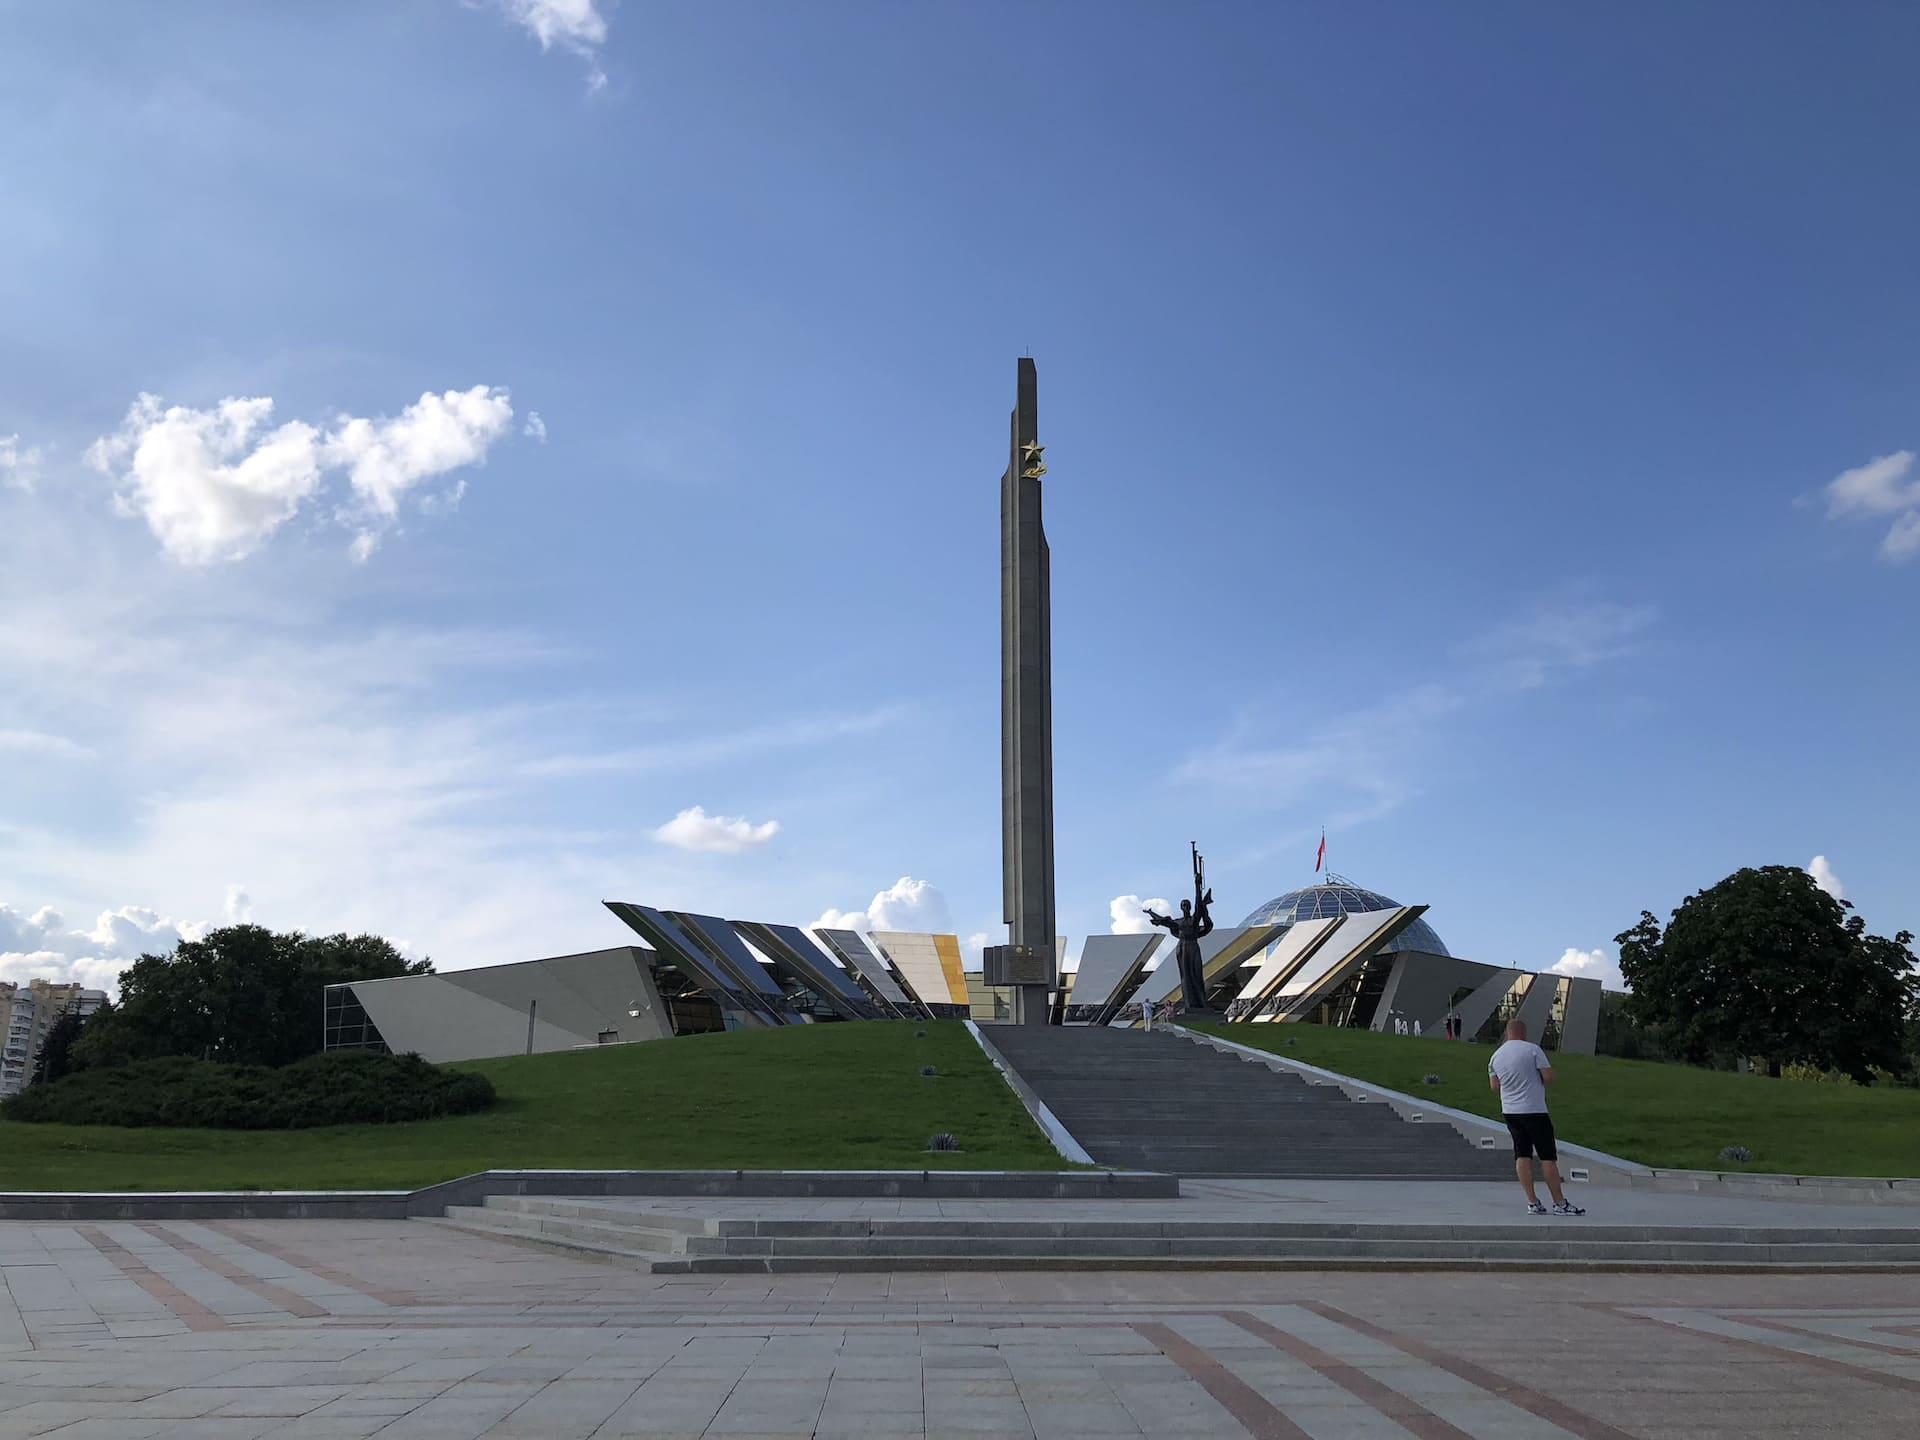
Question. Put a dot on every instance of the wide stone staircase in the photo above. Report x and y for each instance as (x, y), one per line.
(1164, 1102)
(672, 1241)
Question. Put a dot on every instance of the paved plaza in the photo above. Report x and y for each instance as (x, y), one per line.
(413, 1331)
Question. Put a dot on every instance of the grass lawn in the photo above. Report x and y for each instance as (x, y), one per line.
(821, 1097)
(1666, 1115)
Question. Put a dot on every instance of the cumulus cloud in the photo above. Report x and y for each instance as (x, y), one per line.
(694, 829)
(1124, 911)
(907, 904)
(215, 485)
(1823, 876)
(384, 459)
(1591, 965)
(576, 26)
(40, 946)
(535, 428)
(19, 464)
(1886, 486)
(212, 485)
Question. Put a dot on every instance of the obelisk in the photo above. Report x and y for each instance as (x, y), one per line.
(1026, 713)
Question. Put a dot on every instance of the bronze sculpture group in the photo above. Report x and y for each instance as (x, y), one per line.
(1188, 929)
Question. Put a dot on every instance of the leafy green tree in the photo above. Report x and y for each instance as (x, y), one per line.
(1766, 964)
(242, 994)
(56, 1051)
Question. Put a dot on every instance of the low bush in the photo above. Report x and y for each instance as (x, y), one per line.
(350, 1088)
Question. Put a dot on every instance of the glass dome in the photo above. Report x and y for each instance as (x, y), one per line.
(1337, 895)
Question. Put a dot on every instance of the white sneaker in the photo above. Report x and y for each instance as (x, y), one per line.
(1534, 1207)
(1567, 1207)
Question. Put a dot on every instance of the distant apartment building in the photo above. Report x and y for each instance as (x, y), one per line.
(27, 1014)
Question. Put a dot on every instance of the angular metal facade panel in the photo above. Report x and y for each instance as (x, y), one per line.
(1358, 935)
(1580, 1030)
(476, 1014)
(954, 972)
(1294, 949)
(852, 948)
(1110, 964)
(1537, 1007)
(797, 956)
(674, 946)
(1359, 938)
(726, 949)
(1475, 1009)
(917, 958)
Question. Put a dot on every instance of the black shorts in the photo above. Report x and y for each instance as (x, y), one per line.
(1532, 1135)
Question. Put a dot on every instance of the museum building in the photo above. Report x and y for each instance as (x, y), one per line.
(1332, 953)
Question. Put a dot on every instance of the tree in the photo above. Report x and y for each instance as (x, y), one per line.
(1766, 964)
(241, 993)
(56, 1051)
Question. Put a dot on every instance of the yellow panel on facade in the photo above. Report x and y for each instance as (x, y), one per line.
(951, 968)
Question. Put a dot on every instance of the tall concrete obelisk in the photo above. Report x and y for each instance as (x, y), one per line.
(1026, 713)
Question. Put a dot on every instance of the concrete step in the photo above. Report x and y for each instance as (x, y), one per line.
(1543, 1249)
(632, 1239)
(856, 1265)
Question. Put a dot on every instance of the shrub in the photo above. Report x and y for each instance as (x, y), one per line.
(943, 1141)
(1738, 1154)
(928, 1071)
(1431, 1079)
(342, 1088)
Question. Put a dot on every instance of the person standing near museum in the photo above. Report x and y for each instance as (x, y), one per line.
(1519, 1073)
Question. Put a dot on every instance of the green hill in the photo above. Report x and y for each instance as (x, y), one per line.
(822, 1097)
(1675, 1116)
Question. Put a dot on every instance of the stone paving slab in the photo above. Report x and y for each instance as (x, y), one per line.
(423, 1333)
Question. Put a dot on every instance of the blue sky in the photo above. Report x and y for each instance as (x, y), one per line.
(1483, 431)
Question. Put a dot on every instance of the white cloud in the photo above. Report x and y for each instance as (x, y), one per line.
(576, 26)
(1882, 487)
(1822, 872)
(1590, 965)
(694, 829)
(19, 465)
(907, 904)
(1525, 654)
(384, 459)
(239, 906)
(971, 949)
(39, 946)
(1124, 912)
(212, 485)
(1902, 541)
(535, 427)
(1879, 487)
(215, 485)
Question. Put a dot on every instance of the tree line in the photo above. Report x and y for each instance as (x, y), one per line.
(241, 994)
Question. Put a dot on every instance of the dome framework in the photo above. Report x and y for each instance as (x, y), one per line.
(1337, 895)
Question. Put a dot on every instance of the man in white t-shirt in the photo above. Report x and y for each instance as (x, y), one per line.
(1519, 1074)
(1146, 1015)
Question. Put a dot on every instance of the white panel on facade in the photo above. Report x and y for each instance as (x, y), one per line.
(1107, 962)
(474, 1014)
(917, 959)
(1295, 947)
(1357, 935)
